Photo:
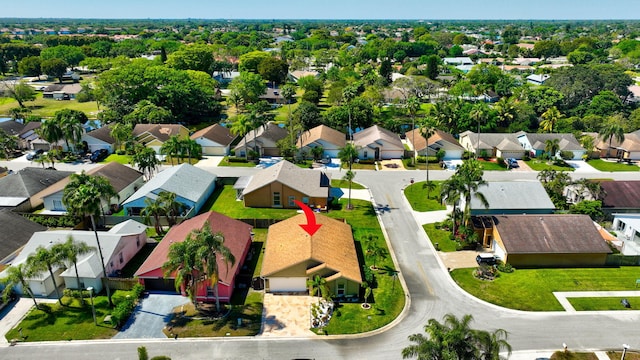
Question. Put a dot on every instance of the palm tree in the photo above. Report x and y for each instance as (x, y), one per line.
(492, 343)
(552, 146)
(613, 129)
(210, 248)
(45, 260)
(349, 176)
(170, 206)
(389, 271)
(191, 148)
(71, 127)
(347, 154)
(505, 111)
(376, 252)
(153, 209)
(241, 127)
(51, 132)
(171, 147)
(69, 251)
(8, 143)
(288, 93)
(146, 160)
(236, 99)
(451, 191)
(413, 105)
(83, 196)
(588, 143)
(184, 266)
(470, 175)
(479, 114)
(318, 285)
(17, 276)
(427, 129)
(550, 119)
(121, 133)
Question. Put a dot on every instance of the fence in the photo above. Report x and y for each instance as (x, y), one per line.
(121, 283)
(622, 260)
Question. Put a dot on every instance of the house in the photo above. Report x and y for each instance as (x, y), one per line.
(538, 79)
(99, 139)
(29, 134)
(536, 143)
(192, 187)
(61, 91)
(532, 241)
(125, 182)
(272, 96)
(492, 144)
(214, 140)
(22, 191)
(628, 149)
(440, 140)
(292, 257)
(621, 197)
(154, 135)
(281, 184)
(263, 140)
(225, 77)
(119, 245)
(295, 75)
(331, 141)
(627, 226)
(16, 232)
(237, 237)
(512, 197)
(377, 143)
(11, 127)
(456, 61)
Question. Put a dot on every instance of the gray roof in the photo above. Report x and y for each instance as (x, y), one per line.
(513, 195)
(186, 181)
(272, 132)
(500, 141)
(375, 133)
(310, 182)
(16, 231)
(29, 181)
(567, 142)
(11, 127)
(103, 134)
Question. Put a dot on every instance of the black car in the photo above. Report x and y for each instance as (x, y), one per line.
(488, 259)
(32, 155)
(99, 155)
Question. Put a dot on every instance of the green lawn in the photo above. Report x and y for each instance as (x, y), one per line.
(122, 159)
(225, 162)
(359, 166)
(603, 165)
(531, 289)
(603, 303)
(48, 107)
(224, 201)
(417, 196)
(492, 166)
(441, 237)
(539, 165)
(420, 166)
(570, 355)
(338, 183)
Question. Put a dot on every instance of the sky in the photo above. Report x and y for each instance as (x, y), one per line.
(325, 9)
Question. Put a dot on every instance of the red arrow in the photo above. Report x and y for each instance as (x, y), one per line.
(310, 227)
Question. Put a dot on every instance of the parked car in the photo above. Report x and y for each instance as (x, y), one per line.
(99, 155)
(34, 154)
(513, 163)
(487, 259)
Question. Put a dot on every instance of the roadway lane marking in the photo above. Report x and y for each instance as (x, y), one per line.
(426, 281)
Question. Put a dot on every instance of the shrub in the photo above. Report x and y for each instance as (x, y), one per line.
(505, 268)
(500, 161)
(121, 152)
(137, 290)
(526, 157)
(122, 310)
(236, 160)
(421, 159)
(566, 155)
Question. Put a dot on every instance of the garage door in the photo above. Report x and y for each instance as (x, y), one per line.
(214, 150)
(498, 251)
(160, 285)
(288, 284)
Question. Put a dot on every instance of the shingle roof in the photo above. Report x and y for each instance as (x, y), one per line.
(513, 195)
(332, 245)
(322, 132)
(103, 133)
(119, 176)
(271, 131)
(556, 234)
(631, 142)
(16, 231)
(439, 137)
(185, 180)
(310, 182)
(216, 133)
(30, 181)
(621, 194)
(375, 133)
(567, 142)
(30, 126)
(500, 141)
(11, 127)
(161, 132)
(236, 238)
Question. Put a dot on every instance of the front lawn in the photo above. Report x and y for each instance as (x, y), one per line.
(416, 194)
(492, 165)
(121, 159)
(358, 166)
(225, 162)
(440, 237)
(540, 165)
(603, 165)
(420, 166)
(339, 183)
(531, 289)
(602, 303)
(224, 201)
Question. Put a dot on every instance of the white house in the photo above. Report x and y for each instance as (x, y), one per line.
(536, 143)
(538, 79)
(214, 140)
(99, 139)
(377, 143)
(628, 228)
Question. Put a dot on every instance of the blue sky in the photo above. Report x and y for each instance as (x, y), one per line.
(326, 9)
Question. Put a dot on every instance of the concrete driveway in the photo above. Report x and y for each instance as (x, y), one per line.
(150, 317)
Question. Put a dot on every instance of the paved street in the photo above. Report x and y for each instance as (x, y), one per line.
(431, 294)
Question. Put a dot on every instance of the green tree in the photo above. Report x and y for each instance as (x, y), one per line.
(30, 66)
(69, 251)
(51, 132)
(72, 55)
(593, 208)
(249, 87)
(307, 115)
(8, 143)
(249, 62)
(121, 133)
(376, 252)
(20, 92)
(318, 286)
(54, 67)
(183, 265)
(70, 122)
(17, 276)
(613, 129)
(171, 207)
(153, 209)
(197, 57)
(432, 66)
(470, 174)
(288, 93)
(145, 160)
(171, 147)
(44, 259)
(551, 147)
(146, 112)
(427, 130)
(347, 154)
(240, 127)
(550, 119)
(273, 70)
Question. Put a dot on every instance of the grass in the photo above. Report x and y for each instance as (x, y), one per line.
(540, 165)
(225, 162)
(603, 165)
(136, 262)
(492, 166)
(441, 237)
(420, 166)
(617, 355)
(417, 196)
(602, 303)
(224, 201)
(48, 107)
(569, 355)
(121, 159)
(338, 183)
(531, 289)
(359, 166)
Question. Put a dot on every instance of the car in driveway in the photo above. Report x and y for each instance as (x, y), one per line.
(34, 154)
(486, 259)
(512, 163)
(99, 155)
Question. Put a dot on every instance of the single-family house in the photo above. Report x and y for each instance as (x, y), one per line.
(29, 134)
(279, 185)
(627, 227)
(16, 232)
(292, 257)
(331, 141)
(225, 77)
(440, 140)
(538, 79)
(61, 91)
(192, 187)
(621, 197)
(492, 144)
(531, 241)
(535, 144)
(295, 75)
(119, 245)
(99, 138)
(628, 149)
(511, 197)
(22, 190)
(263, 140)
(455, 61)
(154, 135)
(377, 143)
(11, 127)
(272, 96)
(214, 140)
(237, 237)
(125, 182)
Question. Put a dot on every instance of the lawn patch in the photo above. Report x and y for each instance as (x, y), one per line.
(612, 166)
(416, 194)
(441, 238)
(539, 165)
(603, 303)
(339, 183)
(121, 159)
(225, 203)
(225, 162)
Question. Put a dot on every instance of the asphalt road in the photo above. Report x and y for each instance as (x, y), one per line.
(432, 294)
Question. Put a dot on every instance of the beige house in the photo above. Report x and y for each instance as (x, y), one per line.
(262, 140)
(331, 141)
(154, 135)
(214, 140)
(492, 144)
(292, 257)
(440, 140)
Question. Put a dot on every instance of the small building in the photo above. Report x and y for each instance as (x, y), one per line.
(512, 197)
(538, 79)
(16, 232)
(628, 228)
(621, 197)
(628, 149)
(440, 140)
(292, 257)
(154, 135)
(214, 140)
(492, 144)
(331, 141)
(23, 190)
(99, 139)
(61, 91)
(378, 144)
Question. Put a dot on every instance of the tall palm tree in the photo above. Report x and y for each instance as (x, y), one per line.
(550, 119)
(318, 285)
(348, 177)
(413, 106)
(51, 132)
(210, 248)
(146, 160)
(72, 130)
(241, 127)
(612, 130)
(505, 111)
(153, 209)
(83, 196)
(451, 191)
(552, 146)
(376, 252)
(17, 276)
(470, 175)
(69, 251)
(121, 133)
(479, 114)
(288, 93)
(427, 129)
(170, 206)
(44, 259)
(171, 147)
(184, 266)
(347, 154)
(491, 344)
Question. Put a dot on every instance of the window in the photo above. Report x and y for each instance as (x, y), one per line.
(305, 200)
(365, 155)
(291, 199)
(340, 289)
(121, 258)
(276, 199)
(57, 205)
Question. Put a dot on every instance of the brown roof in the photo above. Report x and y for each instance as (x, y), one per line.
(312, 183)
(555, 234)
(103, 133)
(332, 245)
(631, 142)
(216, 133)
(31, 125)
(237, 235)
(621, 194)
(421, 141)
(161, 132)
(323, 132)
(375, 133)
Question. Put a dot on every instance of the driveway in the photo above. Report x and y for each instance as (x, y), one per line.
(582, 166)
(150, 317)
